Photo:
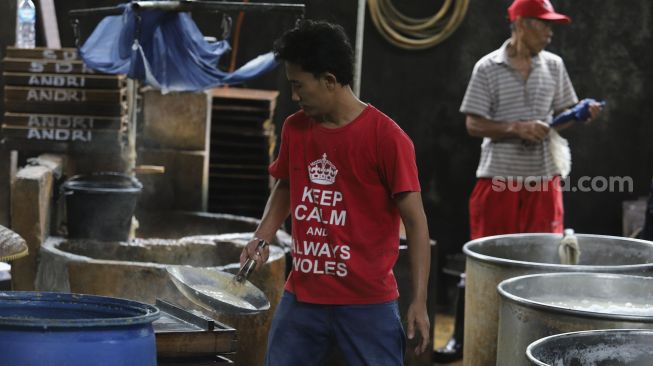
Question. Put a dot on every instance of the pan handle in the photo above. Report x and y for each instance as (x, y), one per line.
(250, 264)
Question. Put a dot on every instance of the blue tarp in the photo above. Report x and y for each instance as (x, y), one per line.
(170, 53)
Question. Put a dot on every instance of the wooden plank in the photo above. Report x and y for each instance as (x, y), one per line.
(5, 184)
(251, 110)
(246, 94)
(79, 136)
(64, 95)
(40, 146)
(262, 105)
(240, 131)
(46, 66)
(66, 53)
(246, 167)
(34, 120)
(219, 187)
(82, 109)
(218, 118)
(232, 158)
(218, 142)
(252, 177)
(239, 140)
(49, 22)
(31, 197)
(65, 81)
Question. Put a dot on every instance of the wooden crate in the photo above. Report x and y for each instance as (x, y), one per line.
(54, 102)
(241, 146)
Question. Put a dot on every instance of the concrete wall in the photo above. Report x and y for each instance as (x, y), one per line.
(606, 52)
(607, 55)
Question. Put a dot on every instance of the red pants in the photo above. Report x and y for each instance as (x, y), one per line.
(500, 207)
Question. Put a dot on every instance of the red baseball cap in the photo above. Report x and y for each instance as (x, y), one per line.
(540, 9)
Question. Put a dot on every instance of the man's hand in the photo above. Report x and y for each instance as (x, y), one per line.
(259, 255)
(417, 240)
(533, 131)
(418, 319)
(595, 109)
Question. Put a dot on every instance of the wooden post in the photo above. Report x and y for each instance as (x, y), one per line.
(50, 24)
(5, 183)
(31, 201)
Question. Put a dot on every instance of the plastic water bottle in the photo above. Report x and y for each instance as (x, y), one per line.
(25, 24)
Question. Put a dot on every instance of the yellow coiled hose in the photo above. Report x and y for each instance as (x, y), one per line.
(417, 33)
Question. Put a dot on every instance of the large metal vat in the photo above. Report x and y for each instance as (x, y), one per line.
(540, 305)
(493, 259)
(621, 347)
(55, 329)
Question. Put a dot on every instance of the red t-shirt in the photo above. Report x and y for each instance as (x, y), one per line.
(345, 223)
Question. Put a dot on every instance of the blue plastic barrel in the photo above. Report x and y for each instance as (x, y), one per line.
(61, 329)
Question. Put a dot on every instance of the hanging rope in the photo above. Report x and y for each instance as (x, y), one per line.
(236, 40)
(417, 33)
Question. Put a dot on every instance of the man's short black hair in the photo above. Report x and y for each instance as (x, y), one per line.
(318, 47)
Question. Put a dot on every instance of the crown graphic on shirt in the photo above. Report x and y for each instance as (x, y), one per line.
(322, 171)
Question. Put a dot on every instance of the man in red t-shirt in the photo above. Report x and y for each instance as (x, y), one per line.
(347, 174)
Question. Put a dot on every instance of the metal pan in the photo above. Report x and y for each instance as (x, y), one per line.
(218, 291)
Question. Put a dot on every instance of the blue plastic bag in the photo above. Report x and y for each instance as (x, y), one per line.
(579, 112)
(169, 54)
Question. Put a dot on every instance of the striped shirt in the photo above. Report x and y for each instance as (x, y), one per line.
(499, 93)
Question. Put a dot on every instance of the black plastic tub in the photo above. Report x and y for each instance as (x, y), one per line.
(100, 206)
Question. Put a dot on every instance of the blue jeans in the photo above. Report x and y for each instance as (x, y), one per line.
(302, 334)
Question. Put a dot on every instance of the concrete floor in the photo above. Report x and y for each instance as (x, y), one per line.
(443, 331)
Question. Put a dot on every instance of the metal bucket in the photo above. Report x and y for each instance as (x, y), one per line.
(493, 259)
(620, 347)
(56, 329)
(101, 205)
(541, 305)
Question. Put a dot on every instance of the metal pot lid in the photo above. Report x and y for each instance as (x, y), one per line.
(217, 290)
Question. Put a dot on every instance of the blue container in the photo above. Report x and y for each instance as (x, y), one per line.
(60, 329)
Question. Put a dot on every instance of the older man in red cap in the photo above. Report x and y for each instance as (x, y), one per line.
(510, 101)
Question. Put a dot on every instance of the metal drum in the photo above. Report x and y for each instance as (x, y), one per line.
(493, 259)
(56, 329)
(620, 347)
(540, 305)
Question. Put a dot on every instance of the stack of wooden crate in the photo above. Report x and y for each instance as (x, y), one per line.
(242, 143)
(55, 103)
(175, 135)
